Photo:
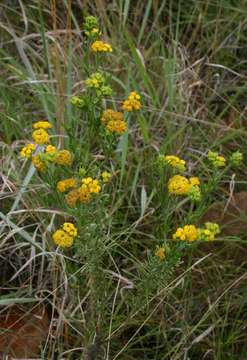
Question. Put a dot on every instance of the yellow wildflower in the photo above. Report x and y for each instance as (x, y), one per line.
(194, 181)
(63, 157)
(118, 127)
(42, 125)
(72, 197)
(106, 176)
(70, 229)
(27, 150)
(178, 185)
(160, 253)
(66, 184)
(175, 162)
(38, 163)
(111, 115)
(40, 136)
(50, 149)
(100, 46)
(187, 233)
(61, 238)
(84, 194)
(92, 185)
(132, 103)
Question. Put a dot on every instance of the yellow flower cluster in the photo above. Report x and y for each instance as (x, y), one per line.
(216, 160)
(64, 237)
(83, 193)
(27, 150)
(40, 135)
(38, 163)
(132, 103)
(91, 185)
(180, 185)
(66, 184)
(52, 155)
(160, 253)
(50, 149)
(187, 233)
(100, 46)
(190, 233)
(114, 121)
(63, 157)
(42, 125)
(173, 161)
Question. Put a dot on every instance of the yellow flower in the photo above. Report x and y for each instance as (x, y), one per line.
(194, 181)
(111, 115)
(92, 185)
(40, 136)
(178, 185)
(70, 229)
(132, 103)
(63, 157)
(42, 125)
(72, 197)
(50, 149)
(61, 238)
(160, 253)
(27, 150)
(100, 46)
(118, 127)
(187, 233)
(66, 184)
(84, 194)
(106, 176)
(38, 163)
(175, 162)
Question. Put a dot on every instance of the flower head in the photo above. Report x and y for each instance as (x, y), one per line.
(66, 184)
(27, 150)
(63, 157)
(40, 136)
(38, 163)
(132, 103)
(118, 127)
(92, 185)
(178, 185)
(72, 197)
(173, 161)
(42, 125)
(70, 229)
(160, 253)
(62, 238)
(50, 149)
(187, 233)
(111, 115)
(100, 46)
